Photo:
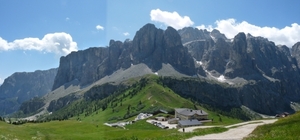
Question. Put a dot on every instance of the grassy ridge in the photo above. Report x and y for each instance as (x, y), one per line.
(152, 95)
(284, 128)
(138, 99)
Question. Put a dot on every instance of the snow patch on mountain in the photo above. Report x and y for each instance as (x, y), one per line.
(220, 78)
(199, 62)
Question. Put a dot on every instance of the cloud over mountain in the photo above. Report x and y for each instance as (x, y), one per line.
(171, 18)
(58, 43)
(288, 35)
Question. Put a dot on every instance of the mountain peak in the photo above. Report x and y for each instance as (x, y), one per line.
(147, 27)
(172, 37)
(249, 35)
(240, 35)
(216, 34)
(22, 86)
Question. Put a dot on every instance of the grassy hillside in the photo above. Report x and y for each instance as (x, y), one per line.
(149, 97)
(86, 118)
(145, 94)
(284, 128)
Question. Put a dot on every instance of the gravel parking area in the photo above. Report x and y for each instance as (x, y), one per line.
(165, 123)
(239, 131)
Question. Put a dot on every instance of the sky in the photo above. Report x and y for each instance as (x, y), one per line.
(34, 34)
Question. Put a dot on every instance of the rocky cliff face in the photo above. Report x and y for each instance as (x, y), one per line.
(245, 56)
(266, 69)
(81, 66)
(22, 86)
(189, 34)
(154, 46)
(258, 96)
(150, 46)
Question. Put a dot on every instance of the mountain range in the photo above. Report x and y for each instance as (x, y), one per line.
(22, 86)
(209, 68)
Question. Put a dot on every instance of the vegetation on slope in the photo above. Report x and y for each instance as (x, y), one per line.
(85, 118)
(284, 128)
(143, 95)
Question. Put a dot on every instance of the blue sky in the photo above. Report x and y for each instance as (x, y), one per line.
(34, 34)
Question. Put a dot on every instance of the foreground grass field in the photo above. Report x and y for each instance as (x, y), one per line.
(284, 129)
(83, 130)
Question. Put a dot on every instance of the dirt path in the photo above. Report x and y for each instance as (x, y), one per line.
(242, 130)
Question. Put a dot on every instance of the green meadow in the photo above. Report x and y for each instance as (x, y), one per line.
(71, 129)
(287, 128)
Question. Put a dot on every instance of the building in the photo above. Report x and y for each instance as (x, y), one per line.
(282, 115)
(188, 123)
(190, 114)
(142, 116)
(160, 118)
(173, 121)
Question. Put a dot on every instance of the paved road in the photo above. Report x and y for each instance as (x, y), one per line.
(237, 133)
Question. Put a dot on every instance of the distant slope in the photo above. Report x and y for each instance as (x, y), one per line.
(284, 128)
(143, 94)
(22, 86)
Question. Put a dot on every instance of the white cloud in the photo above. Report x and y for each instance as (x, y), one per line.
(58, 43)
(99, 27)
(1, 81)
(126, 34)
(67, 18)
(171, 18)
(288, 35)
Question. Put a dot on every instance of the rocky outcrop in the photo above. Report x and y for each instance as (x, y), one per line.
(81, 66)
(176, 54)
(22, 86)
(150, 46)
(189, 34)
(217, 56)
(210, 49)
(154, 46)
(216, 34)
(240, 64)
